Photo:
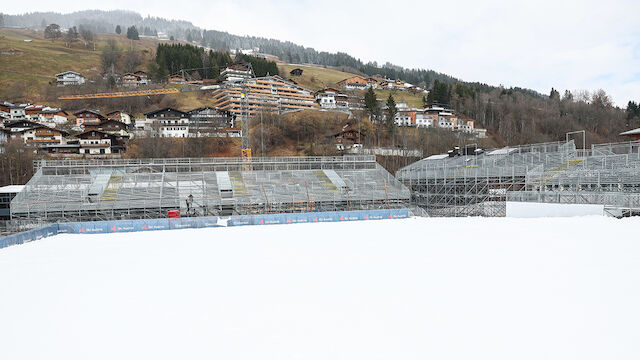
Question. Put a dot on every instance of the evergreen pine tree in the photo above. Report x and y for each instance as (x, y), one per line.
(132, 33)
(392, 110)
(440, 93)
(371, 104)
(52, 31)
(430, 97)
(118, 30)
(633, 110)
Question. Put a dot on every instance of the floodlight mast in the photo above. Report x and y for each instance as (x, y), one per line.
(246, 136)
(584, 137)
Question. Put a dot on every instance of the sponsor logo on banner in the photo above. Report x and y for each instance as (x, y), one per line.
(164, 224)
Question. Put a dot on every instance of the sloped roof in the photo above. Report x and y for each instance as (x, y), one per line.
(62, 132)
(153, 112)
(117, 111)
(11, 189)
(69, 72)
(18, 123)
(97, 131)
(631, 132)
(107, 121)
(94, 112)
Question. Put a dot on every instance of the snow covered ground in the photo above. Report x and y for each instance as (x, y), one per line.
(465, 288)
(538, 210)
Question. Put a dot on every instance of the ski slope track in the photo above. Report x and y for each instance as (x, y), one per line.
(434, 288)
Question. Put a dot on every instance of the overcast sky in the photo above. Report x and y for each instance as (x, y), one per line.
(539, 44)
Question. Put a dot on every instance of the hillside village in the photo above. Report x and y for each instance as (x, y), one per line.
(201, 105)
(236, 92)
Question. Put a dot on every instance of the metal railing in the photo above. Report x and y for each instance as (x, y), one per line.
(144, 188)
(547, 172)
(617, 199)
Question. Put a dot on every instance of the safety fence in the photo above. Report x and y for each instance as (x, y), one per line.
(119, 226)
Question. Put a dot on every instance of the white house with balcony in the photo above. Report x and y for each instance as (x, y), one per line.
(465, 126)
(168, 122)
(424, 120)
(330, 98)
(95, 142)
(236, 73)
(446, 123)
(174, 128)
(403, 118)
(17, 112)
(70, 78)
(52, 116)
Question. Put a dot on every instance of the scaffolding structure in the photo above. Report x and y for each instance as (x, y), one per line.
(76, 190)
(481, 184)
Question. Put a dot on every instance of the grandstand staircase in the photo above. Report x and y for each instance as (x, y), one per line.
(237, 182)
(325, 181)
(226, 190)
(551, 174)
(111, 190)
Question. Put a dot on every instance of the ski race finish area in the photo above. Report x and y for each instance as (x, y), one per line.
(416, 288)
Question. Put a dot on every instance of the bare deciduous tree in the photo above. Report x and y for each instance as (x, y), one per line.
(110, 57)
(16, 163)
(86, 35)
(132, 61)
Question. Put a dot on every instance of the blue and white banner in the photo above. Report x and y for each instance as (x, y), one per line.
(116, 226)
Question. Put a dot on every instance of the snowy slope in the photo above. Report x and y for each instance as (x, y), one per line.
(465, 288)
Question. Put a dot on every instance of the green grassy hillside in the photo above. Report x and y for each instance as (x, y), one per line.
(29, 67)
(33, 64)
(318, 77)
(412, 100)
(313, 77)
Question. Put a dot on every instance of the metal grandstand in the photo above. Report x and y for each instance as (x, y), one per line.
(73, 190)
(481, 183)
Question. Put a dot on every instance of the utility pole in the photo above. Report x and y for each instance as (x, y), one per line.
(261, 135)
